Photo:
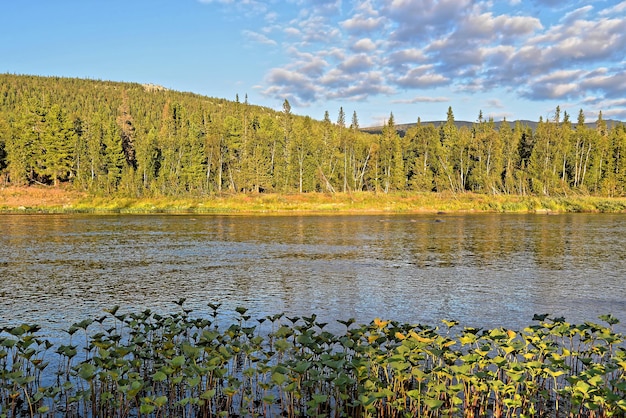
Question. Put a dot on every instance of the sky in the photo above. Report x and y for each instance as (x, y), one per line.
(509, 59)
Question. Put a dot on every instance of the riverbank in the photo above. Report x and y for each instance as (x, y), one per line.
(40, 199)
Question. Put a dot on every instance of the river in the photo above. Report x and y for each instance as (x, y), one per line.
(484, 270)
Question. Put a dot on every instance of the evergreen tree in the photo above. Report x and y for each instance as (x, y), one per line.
(391, 160)
(444, 172)
(301, 152)
(283, 172)
(461, 158)
(599, 156)
(325, 158)
(193, 161)
(342, 140)
(231, 149)
(56, 146)
(486, 173)
(114, 158)
(423, 140)
(541, 159)
(266, 133)
(615, 184)
(256, 167)
(511, 160)
(24, 138)
(127, 129)
(359, 154)
(4, 134)
(147, 155)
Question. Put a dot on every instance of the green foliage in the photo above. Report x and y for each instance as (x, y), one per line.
(144, 363)
(130, 140)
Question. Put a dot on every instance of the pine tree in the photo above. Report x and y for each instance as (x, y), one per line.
(265, 134)
(391, 159)
(599, 156)
(487, 150)
(617, 184)
(422, 143)
(193, 160)
(24, 146)
(343, 143)
(114, 158)
(510, 155)
(147, 155)
(57, 143)
(283, 171)
(445, 178)
(325, 157)
(127, 129)
(4, 134)
(301, 147)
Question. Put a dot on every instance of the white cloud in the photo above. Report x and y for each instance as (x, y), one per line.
(617, 9)
(613, 84)
(357, 63)
(618, 114)
(495, 103)
(258, 38)
(360, 24)
(366, 85)
(486, 26)
(292, 85)
(353, 49)
(421, 77)
(364, 45)
(576, 14)
(292, 32)
(323, 7)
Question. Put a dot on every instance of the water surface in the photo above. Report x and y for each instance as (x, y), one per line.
(484, 270)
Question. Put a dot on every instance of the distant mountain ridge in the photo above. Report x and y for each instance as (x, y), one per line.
(402, 128)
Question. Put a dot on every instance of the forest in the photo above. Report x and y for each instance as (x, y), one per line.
(129, 139)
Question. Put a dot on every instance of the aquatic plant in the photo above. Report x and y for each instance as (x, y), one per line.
(146, 364)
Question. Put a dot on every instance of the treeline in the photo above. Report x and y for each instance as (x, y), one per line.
(139, 140)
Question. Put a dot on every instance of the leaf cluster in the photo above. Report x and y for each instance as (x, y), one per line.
(151, 365)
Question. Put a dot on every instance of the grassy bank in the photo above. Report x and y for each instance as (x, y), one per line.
(51, 200)
(149, 365)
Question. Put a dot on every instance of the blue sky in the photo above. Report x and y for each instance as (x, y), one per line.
(515, 59)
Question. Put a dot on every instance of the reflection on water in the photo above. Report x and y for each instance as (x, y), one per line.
(484, 270)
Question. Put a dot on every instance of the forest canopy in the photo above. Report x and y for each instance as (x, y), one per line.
(142, 140)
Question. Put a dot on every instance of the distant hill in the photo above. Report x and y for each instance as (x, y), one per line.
(402, 128)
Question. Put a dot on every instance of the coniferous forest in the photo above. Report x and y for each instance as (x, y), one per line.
(143, 140)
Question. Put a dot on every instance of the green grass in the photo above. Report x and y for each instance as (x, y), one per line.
(150, 365)
(353, 203)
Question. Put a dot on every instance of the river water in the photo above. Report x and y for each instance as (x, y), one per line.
(484, 270)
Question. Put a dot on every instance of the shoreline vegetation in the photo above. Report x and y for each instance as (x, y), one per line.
(181, 152)
(146, 364)
(46, 199)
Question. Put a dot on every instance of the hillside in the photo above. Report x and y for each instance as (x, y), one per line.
(140, 141)
(404, 127)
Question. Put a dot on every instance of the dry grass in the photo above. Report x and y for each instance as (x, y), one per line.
(49, 199)
(40, 197)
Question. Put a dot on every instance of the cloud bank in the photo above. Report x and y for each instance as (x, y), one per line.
(357, 50)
